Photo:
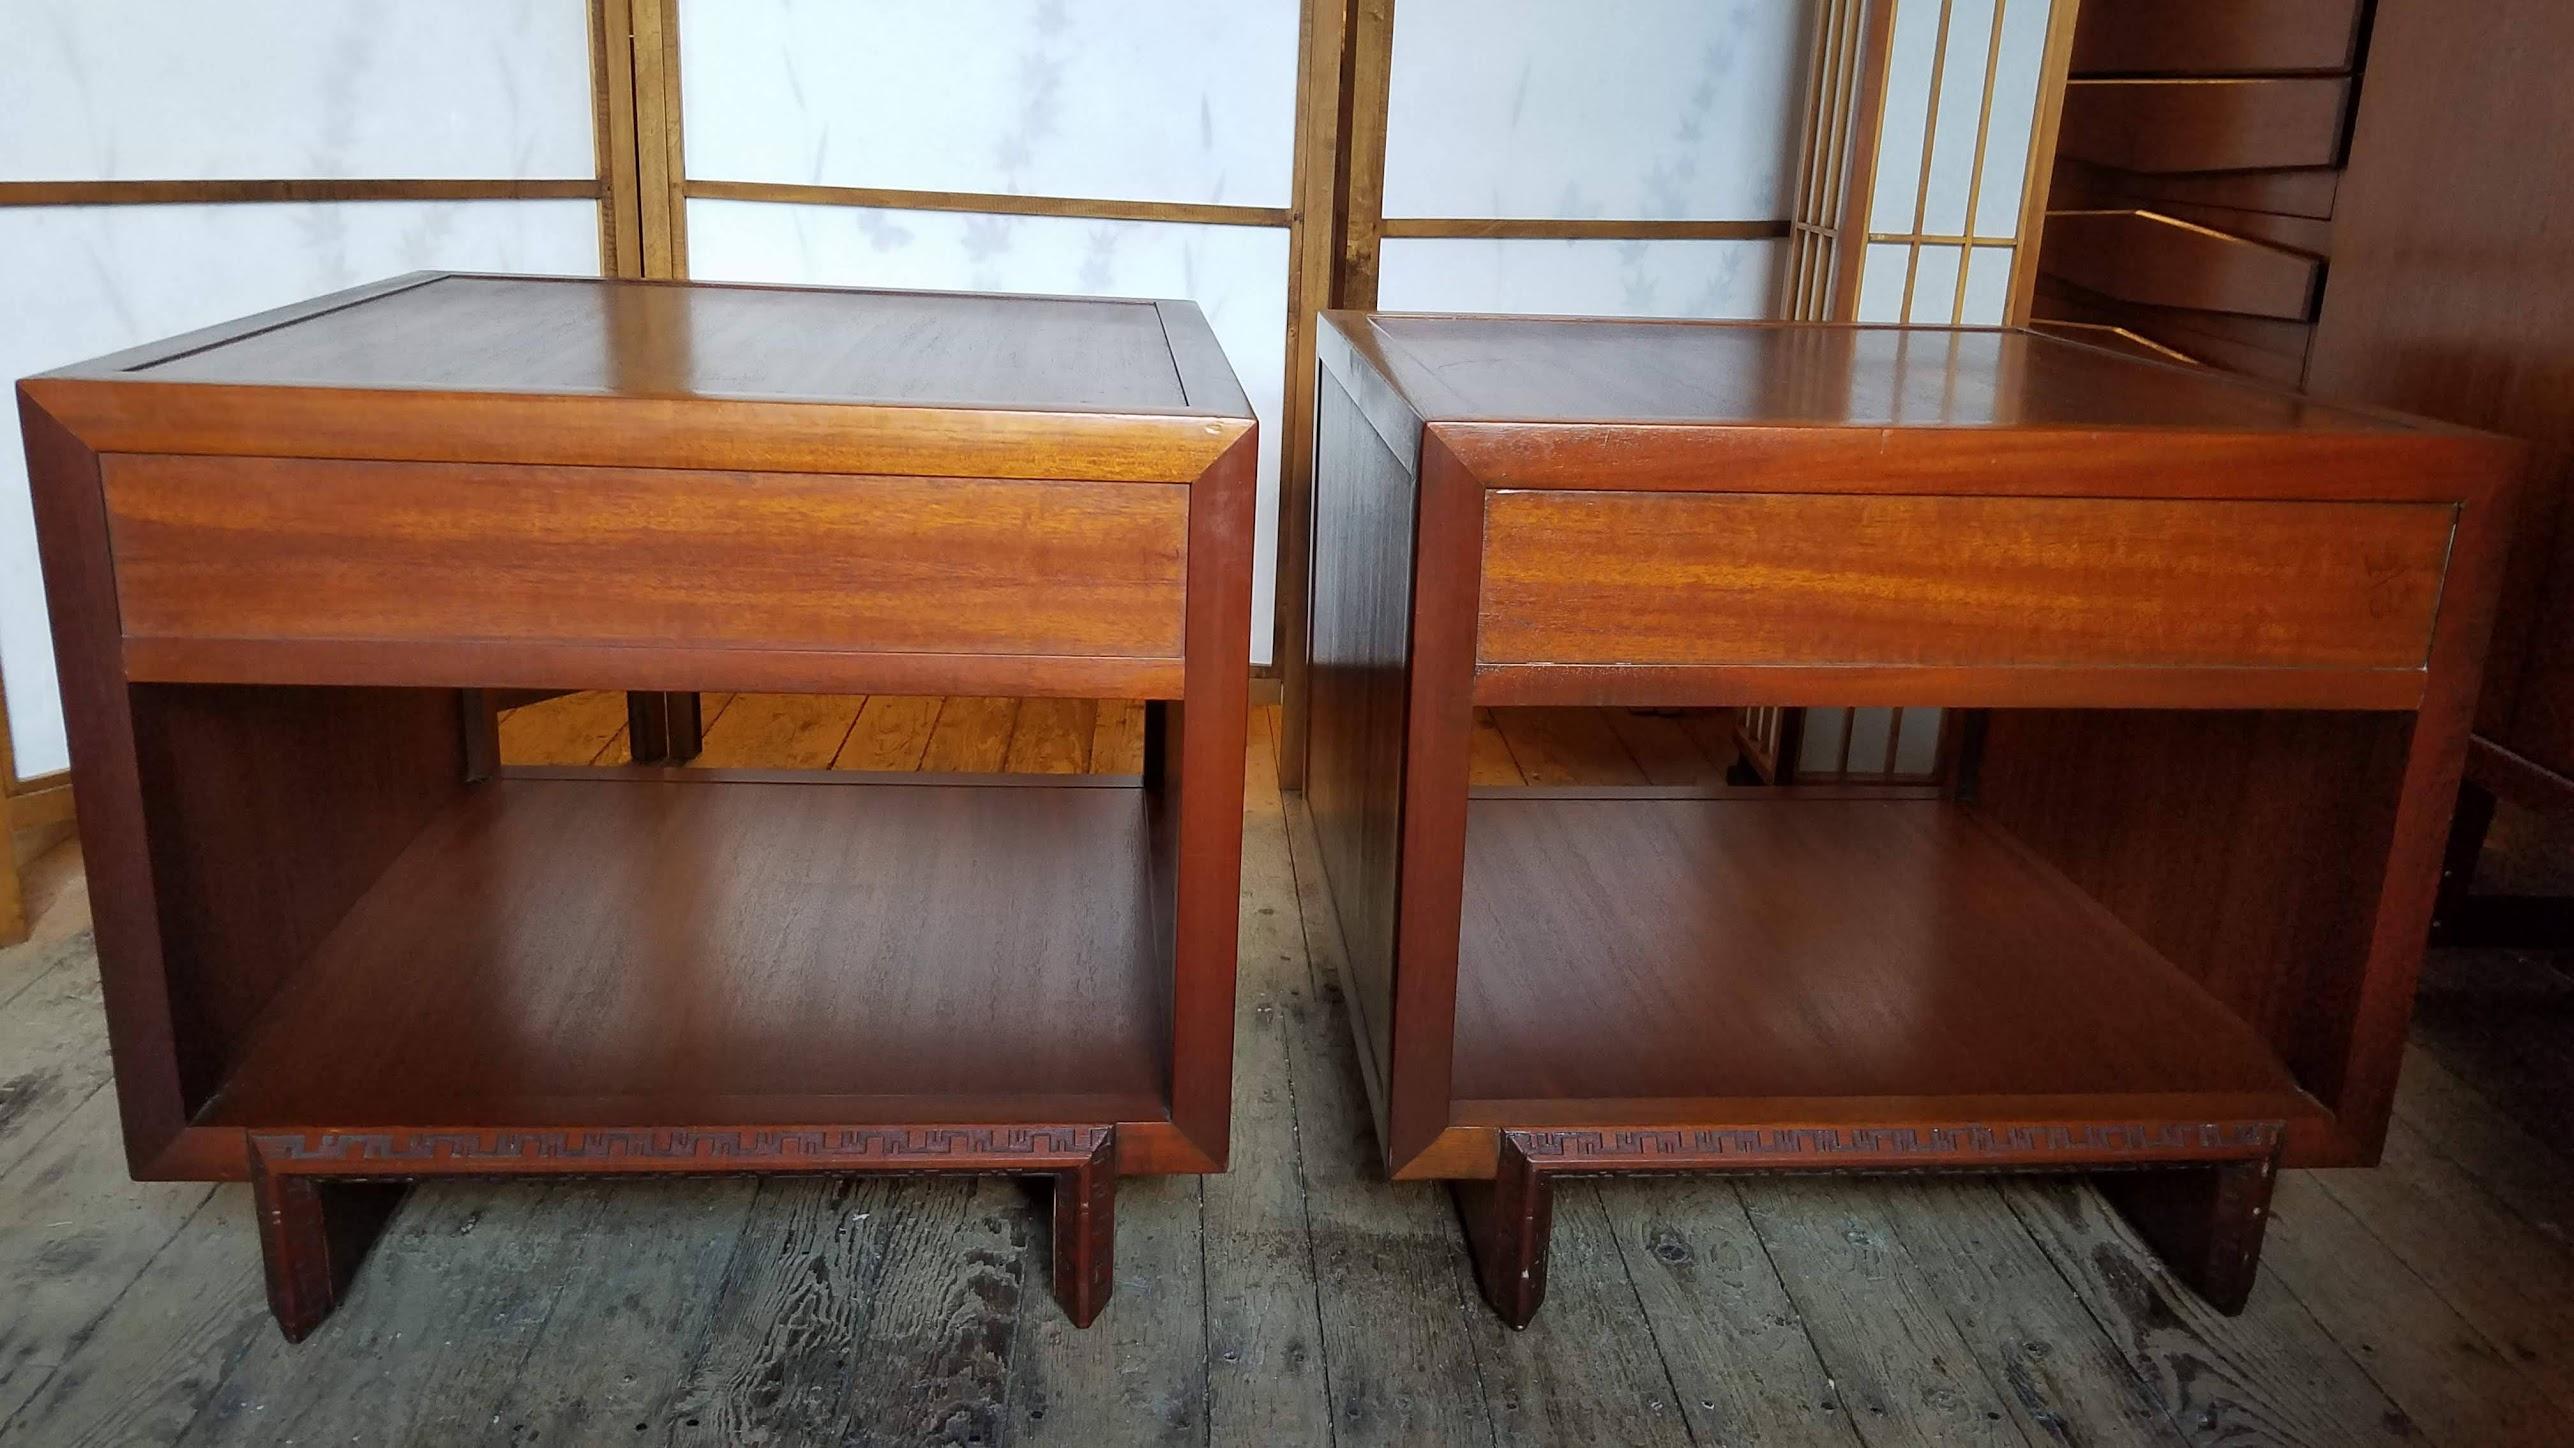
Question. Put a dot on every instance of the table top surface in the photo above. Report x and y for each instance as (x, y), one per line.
(1550, 369)
(583, 336)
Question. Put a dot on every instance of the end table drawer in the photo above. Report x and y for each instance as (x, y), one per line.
(1749, 578)
(297, 549)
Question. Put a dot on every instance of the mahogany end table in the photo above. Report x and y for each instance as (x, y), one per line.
(2216, 645)
(343, 948)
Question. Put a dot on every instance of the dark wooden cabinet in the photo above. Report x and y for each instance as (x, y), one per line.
(2452, 294)
(2220, 644)
(342, 948)
(2368, 201)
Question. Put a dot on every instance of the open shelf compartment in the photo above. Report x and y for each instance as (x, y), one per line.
(1762, 956)
(652, 948)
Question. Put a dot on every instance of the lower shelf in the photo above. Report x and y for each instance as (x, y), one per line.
(1743, 960)
(647, 952)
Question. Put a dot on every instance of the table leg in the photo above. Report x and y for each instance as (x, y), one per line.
(664, 728)
(1086, 1234)
(1508, 1222)
(313, 1232)
(2204, 1222)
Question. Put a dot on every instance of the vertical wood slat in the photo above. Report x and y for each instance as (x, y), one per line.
(2044, 124)
(1839, 128)
(1794, 291)
(1833, 130)
(1859, 188)
(1975, 177)
(1312, 237)
(660, 168)
(1367, 91)
(1930, 149)
(612, 111)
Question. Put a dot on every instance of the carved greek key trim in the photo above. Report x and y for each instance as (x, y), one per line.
(1828, 1148)
(680, 1148)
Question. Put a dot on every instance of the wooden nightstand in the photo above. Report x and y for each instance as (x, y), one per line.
(341, 947)
(2219, 644)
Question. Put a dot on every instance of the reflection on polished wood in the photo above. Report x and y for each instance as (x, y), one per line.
(682, 959)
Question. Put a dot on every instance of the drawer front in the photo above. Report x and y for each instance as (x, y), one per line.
(298, 549)
(1764, 579)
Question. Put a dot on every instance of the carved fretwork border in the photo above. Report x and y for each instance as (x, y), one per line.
(1894, 1148)
(636, 1150)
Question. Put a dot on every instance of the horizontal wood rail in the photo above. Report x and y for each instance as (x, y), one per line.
(996, 202)
(186, 193)
(1547, 228)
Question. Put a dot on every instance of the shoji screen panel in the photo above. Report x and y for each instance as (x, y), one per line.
(1971, 94)
(166, 164)
(1146, 148)
(1634, 159)
(1942, 172)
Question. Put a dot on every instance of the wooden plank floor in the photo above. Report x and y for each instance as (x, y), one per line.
(1297, 1299)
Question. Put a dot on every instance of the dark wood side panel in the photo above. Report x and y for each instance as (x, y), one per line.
(2307, 192)
(1362, 600)
(2450, 296)
(2264, 347)
(2159, 125)
(80, 600)
(2215, 37)
(306, 549)
(270, 811)
(1753, 578)
(2247, 847)
(2143, 256)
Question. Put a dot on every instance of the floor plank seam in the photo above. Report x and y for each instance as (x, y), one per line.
(2461, 1310)
(2556, 1156)
(88, 1330)
(1966, 1328)
(31, 982)
(1304, 1193)
(1206, 1323)
(1834, 1402)
(2002, 1201)
(1635, 1293)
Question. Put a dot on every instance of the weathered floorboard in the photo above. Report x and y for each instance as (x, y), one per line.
(891, 735)
(2447, 1376)
(1138, 1374)
(1052, 737)
(1264, 1330)
(144, 1370)
(1899, 1367)
(2268, 1376)
(1301, 1299)
(2511, 1281)
(435, 1326)
(584, 728)
(2057, 1373)
(1738, 1353)
(76, 1233)
(972, 736)
(1390, 1268)
(1586, 1370)
(778, 731)
(637, 1311)
(53, 1050)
